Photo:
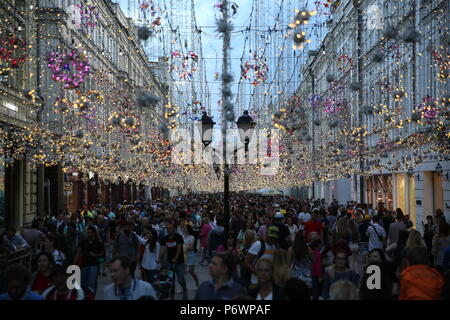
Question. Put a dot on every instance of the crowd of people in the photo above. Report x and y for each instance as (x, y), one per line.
(271, 248)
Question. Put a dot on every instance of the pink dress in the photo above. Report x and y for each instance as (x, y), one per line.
(204, 231)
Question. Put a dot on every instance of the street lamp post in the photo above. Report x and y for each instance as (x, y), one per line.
(207, 126)
(245, 123)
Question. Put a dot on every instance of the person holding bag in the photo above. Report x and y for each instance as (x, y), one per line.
(376, 234)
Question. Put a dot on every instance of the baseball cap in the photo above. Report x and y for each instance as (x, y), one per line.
(273, 232)
(278, 215)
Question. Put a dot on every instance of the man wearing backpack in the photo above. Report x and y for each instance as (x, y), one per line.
(284, 234)
(126, 244)
(260, 249)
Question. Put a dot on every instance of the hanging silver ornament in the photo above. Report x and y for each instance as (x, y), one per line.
(411, 35)
(227, 92)
(147, 99)
(330, 77)
(144, 33)
(390, 32)
(378, 57)
(227, 77)
(355, 86)
(334, 123)
(229, 115)
(224, 26)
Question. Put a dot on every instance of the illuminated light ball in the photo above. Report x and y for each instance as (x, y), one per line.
(69, 68)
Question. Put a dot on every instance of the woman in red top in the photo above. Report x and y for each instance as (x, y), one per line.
(314, 225)
(42, 279)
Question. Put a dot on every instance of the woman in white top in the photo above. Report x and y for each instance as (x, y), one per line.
(150, 260)
(293, 229)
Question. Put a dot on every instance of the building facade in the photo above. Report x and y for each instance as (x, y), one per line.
(18, 108)
(380, 82)
(117, 61)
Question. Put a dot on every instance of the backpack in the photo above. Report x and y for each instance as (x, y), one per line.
(262, 250)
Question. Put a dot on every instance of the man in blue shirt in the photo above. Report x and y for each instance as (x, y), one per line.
(222, 286)
(18, 280)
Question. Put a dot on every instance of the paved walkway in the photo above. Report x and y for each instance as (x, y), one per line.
(202, 273)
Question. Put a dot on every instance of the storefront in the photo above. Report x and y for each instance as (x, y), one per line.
(379, 189)
(405, 191)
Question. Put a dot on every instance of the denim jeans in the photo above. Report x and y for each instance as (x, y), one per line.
(89, 277)
(180, 270)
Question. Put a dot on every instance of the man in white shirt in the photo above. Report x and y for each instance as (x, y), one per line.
(124, 287)
(303, 218)
(155, 225)
(261, 249)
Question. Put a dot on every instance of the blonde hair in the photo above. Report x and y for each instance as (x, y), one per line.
(249, 238)
(264, 260)
(343, 290)
(281, 270)
(414, 239)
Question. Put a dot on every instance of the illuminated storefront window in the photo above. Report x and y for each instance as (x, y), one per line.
(401, 192)
(412, 200)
